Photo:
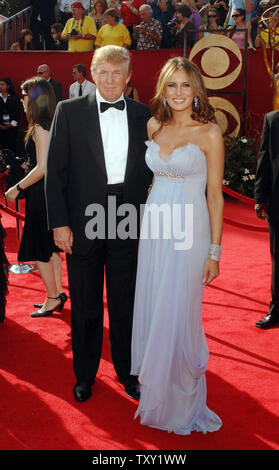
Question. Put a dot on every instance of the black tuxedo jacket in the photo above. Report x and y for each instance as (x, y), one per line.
(57, 89)
(267, 175)
(11, 107)
(76, 172)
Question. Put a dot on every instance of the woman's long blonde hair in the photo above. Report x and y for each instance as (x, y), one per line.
(203, 112)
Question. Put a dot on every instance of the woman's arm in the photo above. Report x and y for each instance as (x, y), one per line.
(40, 137)
(228, 16)
(215, 171)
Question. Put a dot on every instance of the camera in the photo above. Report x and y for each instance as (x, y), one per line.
(74, 32)
(172, 23)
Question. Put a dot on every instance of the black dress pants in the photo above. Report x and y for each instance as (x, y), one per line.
(118, 258)
(274, 252)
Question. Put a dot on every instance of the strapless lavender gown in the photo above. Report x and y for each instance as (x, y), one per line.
(169, 349)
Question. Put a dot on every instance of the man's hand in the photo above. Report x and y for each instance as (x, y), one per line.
(261, 210)
(63, 238)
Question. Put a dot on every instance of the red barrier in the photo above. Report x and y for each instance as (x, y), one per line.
(10, 211)
(239, 196)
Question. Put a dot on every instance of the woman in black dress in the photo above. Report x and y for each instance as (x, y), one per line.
(37, 241)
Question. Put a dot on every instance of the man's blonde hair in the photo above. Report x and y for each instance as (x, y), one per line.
(111, 54)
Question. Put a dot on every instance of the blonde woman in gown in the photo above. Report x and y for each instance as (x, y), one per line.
(169, 350)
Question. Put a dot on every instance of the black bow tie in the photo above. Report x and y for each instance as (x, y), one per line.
(104, 105)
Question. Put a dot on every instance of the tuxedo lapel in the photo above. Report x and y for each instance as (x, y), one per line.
(132, 131)
(94, 131)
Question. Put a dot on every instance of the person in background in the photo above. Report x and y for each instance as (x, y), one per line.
(222, 6)
(37, 241)
(81, 86)
(212, 24)
(58, 43)
(113, 33)
(185, 27)
(247, 6)
(254, 21)
(66, 11)
(266, 191)
(80, 31)
(238, 37)
(42, 17)
(98, 12)
(195, 17)
(44, 72)
(25, 41)
(10, 113)
(131, 16)
(148, 34)
(132, 92)
(167, 10)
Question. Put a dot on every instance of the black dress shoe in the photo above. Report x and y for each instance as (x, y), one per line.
(131, 386)
(267, 322)
(62, 296)
(47, 313)
(82, 391)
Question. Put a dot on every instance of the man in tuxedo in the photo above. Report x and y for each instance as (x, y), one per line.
(267, 205)
(44, 71)
(97, 156)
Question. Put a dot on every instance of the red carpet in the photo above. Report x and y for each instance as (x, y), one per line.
(37, 407)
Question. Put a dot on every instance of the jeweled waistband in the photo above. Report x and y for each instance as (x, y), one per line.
(168, 174)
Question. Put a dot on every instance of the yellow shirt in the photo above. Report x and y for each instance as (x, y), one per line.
(115, 35)
(274, 37)
(84, 26)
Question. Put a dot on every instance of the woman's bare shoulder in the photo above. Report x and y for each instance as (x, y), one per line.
(39, 132)
(212, 131)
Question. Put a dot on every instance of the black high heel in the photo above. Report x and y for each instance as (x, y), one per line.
(63, 297)
(47, 313)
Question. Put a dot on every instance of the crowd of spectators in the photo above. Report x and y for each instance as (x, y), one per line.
(139, 24)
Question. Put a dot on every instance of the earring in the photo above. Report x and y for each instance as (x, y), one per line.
(195, 103)
(164, 102)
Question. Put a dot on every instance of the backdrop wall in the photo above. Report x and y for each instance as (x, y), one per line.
(146, 65)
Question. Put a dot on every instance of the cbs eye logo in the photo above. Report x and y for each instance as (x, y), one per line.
(220, 63)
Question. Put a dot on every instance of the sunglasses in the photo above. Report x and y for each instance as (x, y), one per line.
(212, 16)
(236, 15)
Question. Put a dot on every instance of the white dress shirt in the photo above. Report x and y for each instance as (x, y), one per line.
(115, 137)
(87, 87)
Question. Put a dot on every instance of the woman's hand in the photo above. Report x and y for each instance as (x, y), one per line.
(211, 271)
(12, 194)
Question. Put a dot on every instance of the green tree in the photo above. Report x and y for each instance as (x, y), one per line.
(11, 7)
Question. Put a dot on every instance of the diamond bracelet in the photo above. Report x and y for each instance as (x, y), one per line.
(215, 252)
